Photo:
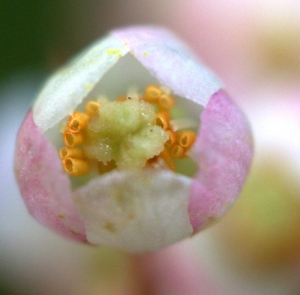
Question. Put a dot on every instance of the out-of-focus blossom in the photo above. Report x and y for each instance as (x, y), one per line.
(249, 44)
(152, 148)
(268, 211)
(264, 225)
(174, 270)
(255, 249)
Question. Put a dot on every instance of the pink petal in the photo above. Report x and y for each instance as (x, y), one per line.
(44, 187)
(166, 58)
(224, 150)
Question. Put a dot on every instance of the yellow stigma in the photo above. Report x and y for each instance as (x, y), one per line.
(127, 133)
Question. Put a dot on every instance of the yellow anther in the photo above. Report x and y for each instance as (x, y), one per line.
(92, 108)
(77, 122)
(165, 102)
(161, 121)
(177, 151)
(152, 93)
(104, 168)
(186, 138)
(172, 138)
(74, 152)
(166, 156)
(73, 139)
(75, 167)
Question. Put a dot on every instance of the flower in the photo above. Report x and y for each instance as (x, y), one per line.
(133, 144)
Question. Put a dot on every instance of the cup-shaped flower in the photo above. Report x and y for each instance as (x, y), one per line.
(133, 144)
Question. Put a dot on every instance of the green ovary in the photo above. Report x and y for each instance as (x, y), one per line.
(124, 132)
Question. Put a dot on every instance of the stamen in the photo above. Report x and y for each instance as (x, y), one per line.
(76, 153)
(92, 108)
(73, 139)
(77, 122)
(165, 102)
(177, 151)
(172, 138)
(165, 114)
(90, 144)
(161, 121)
(75, 167)
(166, 156)
(152, 93)
(186, 138)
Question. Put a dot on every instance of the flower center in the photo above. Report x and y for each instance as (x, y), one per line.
(128, 133)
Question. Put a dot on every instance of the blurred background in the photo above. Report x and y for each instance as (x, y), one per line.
(254, 47)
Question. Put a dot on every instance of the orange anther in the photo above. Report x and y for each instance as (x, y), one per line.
(75, 167)
(161, 121)
(166, 114)
(152, 93)
(77, 121)
(74, 152)
(177, 151)
(73, 139)
(78, 131)
(92, 108)
(165, 102)
(186, 138)
(166, 156)
(172, 138)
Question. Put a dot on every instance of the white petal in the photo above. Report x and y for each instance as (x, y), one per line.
(159, 52)
(169, 60)
(138, 211)
(66, 89)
